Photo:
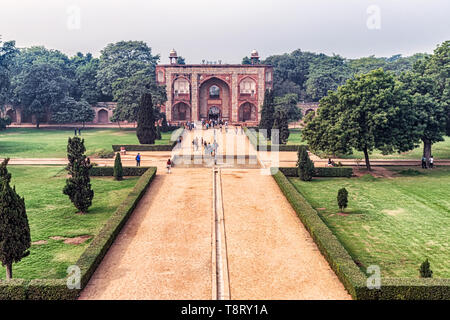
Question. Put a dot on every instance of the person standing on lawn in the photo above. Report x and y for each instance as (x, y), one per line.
(431, 162)
(138, 160)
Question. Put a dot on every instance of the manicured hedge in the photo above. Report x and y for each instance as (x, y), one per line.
(149, 147)
(14, 289)
(353, 279)
(109, 171)
(56, 289)
(346, 172)
(144, 147)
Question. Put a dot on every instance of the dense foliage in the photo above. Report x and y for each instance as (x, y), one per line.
(78, 186)
(267, 113)
(305, 166)
(369, 112)
(15, 239)
(146, 130)
(118, 170)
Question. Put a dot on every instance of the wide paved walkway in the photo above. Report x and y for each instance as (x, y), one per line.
(166, 250)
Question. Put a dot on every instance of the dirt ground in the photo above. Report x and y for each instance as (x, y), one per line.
(270, 253)
(164, 250)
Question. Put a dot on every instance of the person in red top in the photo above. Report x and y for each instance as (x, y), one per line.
(168, 165)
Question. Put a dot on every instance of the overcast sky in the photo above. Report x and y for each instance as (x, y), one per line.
(230, 29)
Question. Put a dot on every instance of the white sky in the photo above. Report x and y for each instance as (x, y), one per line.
(229, 29)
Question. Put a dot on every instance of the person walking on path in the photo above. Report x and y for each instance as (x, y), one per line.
(168, 165)
(431, 162)
(138, 160)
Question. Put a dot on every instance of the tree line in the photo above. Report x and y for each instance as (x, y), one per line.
(45, 82)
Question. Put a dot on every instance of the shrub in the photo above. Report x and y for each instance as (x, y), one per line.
(78, 186)
(118, 170)
(105, 154)
(342, 198)
(146, 131)
(425, 270)
(109, 171)
(305, 165)
(15, 239)
(345, 172)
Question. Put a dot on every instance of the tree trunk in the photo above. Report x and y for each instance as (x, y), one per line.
(427, 150)
(366, 156)
(9, 271)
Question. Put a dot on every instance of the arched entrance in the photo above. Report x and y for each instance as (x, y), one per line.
(214, 113)
(214, 100)
(103, 116)
(247, 112)
(181, 112)
(11, 113)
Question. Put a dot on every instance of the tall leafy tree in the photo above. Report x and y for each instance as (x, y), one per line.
(267, 113)
(72, 111)
(146, 131)
(369, 112)
(289, 104)
(42, 90)
(128, 91)
(7, 53)
(281, 123)
(15, 239)
(78, 186)
(123, 60)
(305, 166)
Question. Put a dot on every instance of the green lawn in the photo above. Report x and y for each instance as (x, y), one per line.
(52, 143)
(295, 137)
(50, 213)
(394, 223)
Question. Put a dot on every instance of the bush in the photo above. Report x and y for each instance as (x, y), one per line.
(342, 198)
(109, 171)
(118, 170)
(145, 147)
(425, 270)
(105, 154)
(305, 165)
(345, 172)
(14, 289)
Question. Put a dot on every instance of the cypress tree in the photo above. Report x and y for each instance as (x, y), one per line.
(78, 187)
(15, 239)
(164, 125)
(305, 166)
(282, 124)
(267, 113)
(425, 270)
(342, 198)
(146, 131)
(118, 170)
(158, 132)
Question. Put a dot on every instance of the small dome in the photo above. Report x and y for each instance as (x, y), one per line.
(254, 53)
(173, 53)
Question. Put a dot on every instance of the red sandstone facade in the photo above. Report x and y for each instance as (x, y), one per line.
(233, 93)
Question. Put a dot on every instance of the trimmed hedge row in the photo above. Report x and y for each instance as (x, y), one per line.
(56, 289)
(346, 172)
(338, 258)
(109, 171)
(144, 147)
(353, 279)
(149, 147)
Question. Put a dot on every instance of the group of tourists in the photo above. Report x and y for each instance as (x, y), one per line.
(427, 164)
(210, 149)
(190, 125)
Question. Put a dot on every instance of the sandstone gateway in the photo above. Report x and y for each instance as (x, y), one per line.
(231, 92)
